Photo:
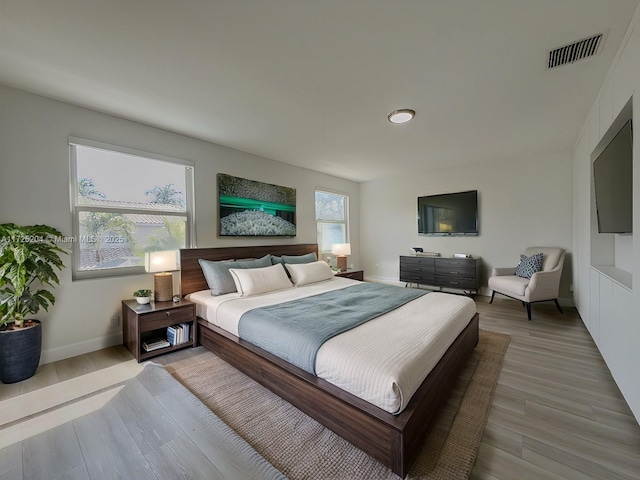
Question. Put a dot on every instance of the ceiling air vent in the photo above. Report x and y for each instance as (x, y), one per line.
(574, 51)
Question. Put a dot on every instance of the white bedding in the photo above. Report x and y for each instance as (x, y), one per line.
(382, 361)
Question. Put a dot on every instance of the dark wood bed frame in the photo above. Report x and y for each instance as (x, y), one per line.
(394, 440)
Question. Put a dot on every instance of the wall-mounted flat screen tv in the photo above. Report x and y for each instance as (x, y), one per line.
(448, 214)
(613, 181)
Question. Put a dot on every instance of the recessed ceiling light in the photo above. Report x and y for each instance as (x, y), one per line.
(401, 116)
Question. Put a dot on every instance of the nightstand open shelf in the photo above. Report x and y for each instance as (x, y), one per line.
(144, 355)
(147, 322)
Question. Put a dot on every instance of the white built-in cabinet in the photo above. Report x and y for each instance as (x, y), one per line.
(611, 323)
(593, 323)
(615, 327)
(606, 267)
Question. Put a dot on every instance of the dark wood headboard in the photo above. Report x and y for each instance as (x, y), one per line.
(191, 276)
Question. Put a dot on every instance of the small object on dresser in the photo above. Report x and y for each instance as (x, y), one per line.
(155, 344)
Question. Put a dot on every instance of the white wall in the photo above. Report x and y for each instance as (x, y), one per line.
(522, 202)
(608, 297)
(34, 188)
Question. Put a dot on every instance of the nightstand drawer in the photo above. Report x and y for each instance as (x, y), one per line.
(164, 318)
(353, 274)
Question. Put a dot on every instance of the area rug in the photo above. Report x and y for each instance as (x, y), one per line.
(301, 448)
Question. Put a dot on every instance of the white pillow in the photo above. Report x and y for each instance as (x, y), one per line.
(304, 273)
(254, 281)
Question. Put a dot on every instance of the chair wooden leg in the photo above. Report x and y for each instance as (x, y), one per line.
(558, 305)
(493, 294)
(529, 310)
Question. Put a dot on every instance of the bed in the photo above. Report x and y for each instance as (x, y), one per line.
(393, 439)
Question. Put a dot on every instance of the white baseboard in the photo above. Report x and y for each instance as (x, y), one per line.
(80, 348)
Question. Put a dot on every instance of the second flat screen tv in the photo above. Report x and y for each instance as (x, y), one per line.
(613, 182)
(448, 214)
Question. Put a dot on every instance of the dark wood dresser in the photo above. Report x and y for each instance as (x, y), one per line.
(442, 272)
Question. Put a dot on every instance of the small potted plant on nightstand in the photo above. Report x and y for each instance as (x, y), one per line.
(29, 257)
(142, 296)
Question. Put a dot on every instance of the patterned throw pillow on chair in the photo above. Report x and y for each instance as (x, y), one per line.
(529, 265)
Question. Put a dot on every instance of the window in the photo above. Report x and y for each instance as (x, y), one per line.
(332, 218)
(126, 203)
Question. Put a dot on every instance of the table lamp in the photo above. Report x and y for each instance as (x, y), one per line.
(341, 250)
(162, 264)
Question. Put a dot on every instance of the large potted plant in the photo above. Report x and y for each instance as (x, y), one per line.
(29, 258)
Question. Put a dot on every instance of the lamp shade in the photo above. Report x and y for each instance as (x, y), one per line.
(160, 263)
(166, 261)
(341, 249)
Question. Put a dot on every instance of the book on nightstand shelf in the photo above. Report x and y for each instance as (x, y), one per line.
(177, 334)
(155, 344)
(173, 334)
(185, 331)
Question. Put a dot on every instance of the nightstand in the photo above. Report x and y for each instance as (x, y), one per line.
(142, 323)
(353, 274)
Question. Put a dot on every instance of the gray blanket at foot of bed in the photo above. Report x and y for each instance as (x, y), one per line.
(295, 330)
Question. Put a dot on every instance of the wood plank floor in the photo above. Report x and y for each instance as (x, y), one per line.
(54, 373)
(557, 413)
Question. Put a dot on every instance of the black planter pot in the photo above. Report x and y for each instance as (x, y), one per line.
(20, 353)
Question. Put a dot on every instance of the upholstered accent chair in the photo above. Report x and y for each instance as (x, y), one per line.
(542, 285)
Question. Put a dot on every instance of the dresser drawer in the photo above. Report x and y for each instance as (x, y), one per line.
(417, 277)
(417, 264)
(452, 266)
(464, 283)
(164, 318)
(457, 262)
(453, 270)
